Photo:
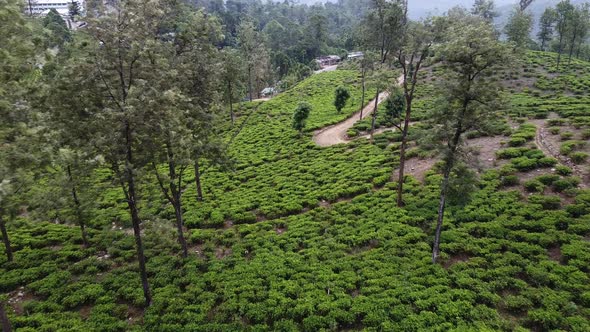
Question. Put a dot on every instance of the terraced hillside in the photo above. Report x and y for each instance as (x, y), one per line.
(298, 237)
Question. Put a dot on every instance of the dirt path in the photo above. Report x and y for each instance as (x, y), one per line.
(336, 134)
(550, 147)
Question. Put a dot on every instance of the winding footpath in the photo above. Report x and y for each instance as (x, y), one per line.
(337, 134)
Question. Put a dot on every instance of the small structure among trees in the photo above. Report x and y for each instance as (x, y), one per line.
(328, 60)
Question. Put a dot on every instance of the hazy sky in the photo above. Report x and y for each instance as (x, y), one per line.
(418, 8)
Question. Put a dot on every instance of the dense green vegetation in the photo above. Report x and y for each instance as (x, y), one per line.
(286, 235)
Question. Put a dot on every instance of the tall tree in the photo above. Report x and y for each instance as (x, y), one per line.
(381, 27)
(578, 28)
(469, 96)
(546, 26)
(183, 108)
(249, 41)
(518, 28)
(117, 76)
(486, 9)
(381, 30)
(366, 64)
(418, 40)
(17, 133)
(232, 76)
(564, 12)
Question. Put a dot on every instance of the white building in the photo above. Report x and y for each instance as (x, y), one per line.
(42, 7)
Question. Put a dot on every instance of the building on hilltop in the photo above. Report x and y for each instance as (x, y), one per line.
(355, 55)
(328, 60)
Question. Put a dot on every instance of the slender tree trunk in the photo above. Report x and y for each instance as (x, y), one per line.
(4, 322)
(175, 198)
(198, 180)
(402, 153)
(441, 212)
(573, 44)
(449, 163)
(363, 95)
(374, 118)
(231, 104)
(78, 208)
(179, 225)
(250, 82)
(5, 239)
(560, 48)
(135, 220)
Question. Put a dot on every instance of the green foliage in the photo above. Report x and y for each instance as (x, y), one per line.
(341, 98)
(300, 116)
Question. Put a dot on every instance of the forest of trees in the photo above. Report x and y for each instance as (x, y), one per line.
(144, 95)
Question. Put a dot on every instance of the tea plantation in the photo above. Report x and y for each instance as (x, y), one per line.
(296, 237)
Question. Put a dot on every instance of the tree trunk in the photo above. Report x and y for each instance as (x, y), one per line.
(78, 208)
(363, 95)
(560, 48)
(4, 322)
(135, 220)
(250, 82)
(374, 118)
(5, 238)
(179, 225)
(175, 198)
(441, 212)
(402, 153)
(573, 44)
(198, 180)
(231, 104)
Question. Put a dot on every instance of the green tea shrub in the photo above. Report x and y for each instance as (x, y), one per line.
(579, 157)
(547, 202)
(565, 184)
(510, 180)
(566, 135)
(547, 179)
(510, 153)
(547, 162)
(517, 141)
(563, 170)
(534, 186)
(554, 130)
(524, 163)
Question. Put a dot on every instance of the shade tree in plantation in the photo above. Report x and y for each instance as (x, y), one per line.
(546, 27)
(381, 27)
(578, 31)
(341, 96)
(255, 55)
(469, 96)
(395, 106)
(380, 32)
(563, 20)
(418, 38)
(300, 116)
(366, 65)
(232, 79)
(116, 74)
(519, 27)
(17, 125)
(486, 9)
